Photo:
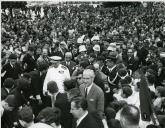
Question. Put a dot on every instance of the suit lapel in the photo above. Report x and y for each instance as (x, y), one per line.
(90, 93)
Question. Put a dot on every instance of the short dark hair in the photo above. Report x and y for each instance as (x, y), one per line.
(50, 115)
(80, 102)
(131, 114)
(69, 84)
(52, 87)
(151, 78)
(26, 114)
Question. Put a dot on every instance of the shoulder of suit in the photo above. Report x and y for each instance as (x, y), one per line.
(98, 88)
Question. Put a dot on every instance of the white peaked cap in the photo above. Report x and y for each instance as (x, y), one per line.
(96, 47)
(55, 58)
(82, 48)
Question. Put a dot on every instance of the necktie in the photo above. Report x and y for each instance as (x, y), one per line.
(86, 92)
(53, 101)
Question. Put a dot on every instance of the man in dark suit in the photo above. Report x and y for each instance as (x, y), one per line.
(79, 110)
(38, 101)
(11, 69)
(60, 101)
(68, 62)
(7, 87)
(132, 62)
(29, 61)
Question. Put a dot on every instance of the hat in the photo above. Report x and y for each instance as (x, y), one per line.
(13, 56)
(8, 83)
(95, 38)
(82, 48)
(80, 40)
(55, 58)
(112, 47)
(11, 100)
(52, 87)
(63, 43)
(162, 54)
(96, 47)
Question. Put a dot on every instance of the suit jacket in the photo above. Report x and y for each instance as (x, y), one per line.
(4, 93)
(132, 64)
(30, 62)
(95, 99)
(70, 66)
(88, 122)
(64, 105)
(12, 72)
(36, 83)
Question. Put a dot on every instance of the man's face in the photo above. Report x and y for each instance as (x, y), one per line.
(110, 63)
(75, 111)
(45, 52)
(55, 63)
(13, 61)
(68, 57)
(130, 52)
(88, 79)
(80, 79)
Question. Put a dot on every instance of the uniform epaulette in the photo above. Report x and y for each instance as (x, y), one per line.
(63, 67)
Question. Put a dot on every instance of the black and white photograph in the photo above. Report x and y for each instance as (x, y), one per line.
(82, 64)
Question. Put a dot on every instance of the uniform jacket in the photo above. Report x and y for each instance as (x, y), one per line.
(58, 75)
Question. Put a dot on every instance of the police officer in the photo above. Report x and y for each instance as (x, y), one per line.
(57, 72)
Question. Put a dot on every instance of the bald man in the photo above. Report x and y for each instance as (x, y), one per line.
(68, 62)
(130, 117)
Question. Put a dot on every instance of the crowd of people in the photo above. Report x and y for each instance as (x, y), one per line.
(83, 66)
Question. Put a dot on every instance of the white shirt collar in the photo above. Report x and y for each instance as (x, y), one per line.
(81, 118)
(110, 69)
(89, 88)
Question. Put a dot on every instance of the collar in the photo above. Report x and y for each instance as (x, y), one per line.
(110, 69)
(11, 65)
(7, 90)
(89, 88)
(81, 118)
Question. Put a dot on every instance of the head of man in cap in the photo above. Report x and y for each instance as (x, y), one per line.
(82, 49)
(9, 103)
(111, 60)
(13, 59)
(55, 60)
(96, 48)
